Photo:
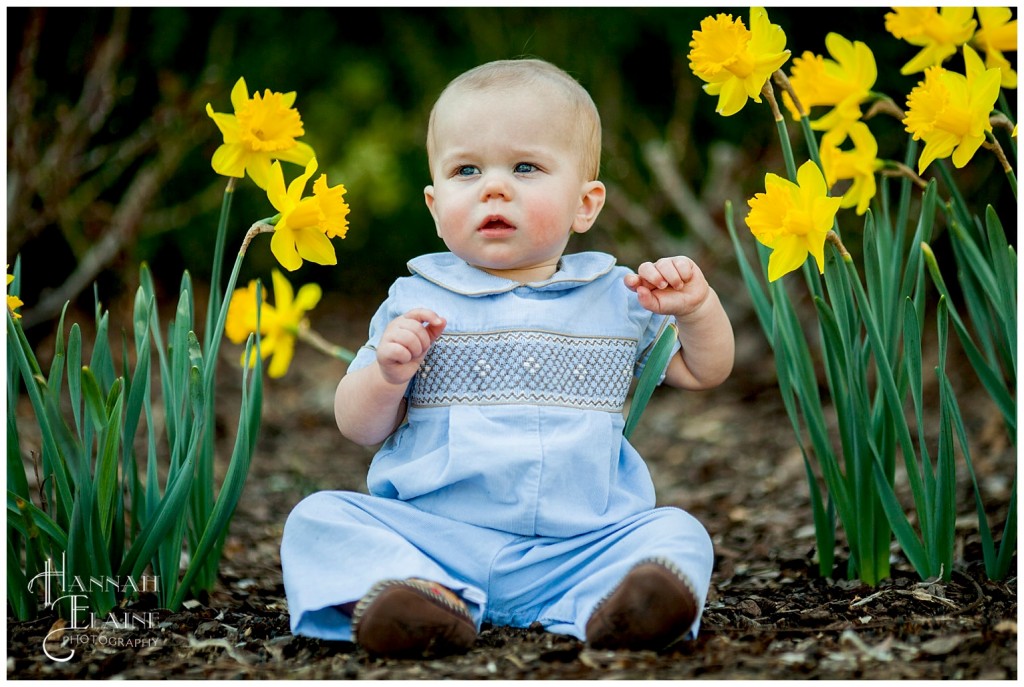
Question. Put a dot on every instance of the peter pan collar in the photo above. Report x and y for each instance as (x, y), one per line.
(455, 274)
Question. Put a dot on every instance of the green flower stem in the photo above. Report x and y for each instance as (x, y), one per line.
(780, 124)
(206, 576)
(812, 141)
(993, 145)
(1007, 112)
(321, 344)
(787, 149)
(213, 308)
(260, 227)
(959, 205)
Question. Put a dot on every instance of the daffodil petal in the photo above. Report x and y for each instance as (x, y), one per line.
(788, 254)
(298, 184)
(230, 160)
(282, 358)
(939, 145)
(984, 91)
(282, 245)
(283, 292)
(765, 37)
(299, 154)
(965, 151)
(308, 297)
(275, 188)
(226, 123)
(810, 179)
(732, 97)
(994, 15)
(929, 55)
(239, 94)
(957, 15)
(269, 345)
(314, 246)
(972, 63)
(817, 251)
(258, 167)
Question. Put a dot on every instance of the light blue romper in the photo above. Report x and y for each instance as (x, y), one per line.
(509, 481)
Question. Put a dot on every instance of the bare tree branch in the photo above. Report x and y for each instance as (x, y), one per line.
(663, 164)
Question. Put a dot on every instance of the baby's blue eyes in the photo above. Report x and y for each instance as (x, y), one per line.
(471, 170)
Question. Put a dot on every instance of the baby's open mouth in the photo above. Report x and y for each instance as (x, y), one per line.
(496, 224)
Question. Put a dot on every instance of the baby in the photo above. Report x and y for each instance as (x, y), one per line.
(496, 376)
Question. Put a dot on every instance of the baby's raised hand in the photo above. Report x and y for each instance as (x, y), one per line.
(405, 343)
(670, 286)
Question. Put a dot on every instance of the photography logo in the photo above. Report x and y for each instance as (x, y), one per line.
(59, 587)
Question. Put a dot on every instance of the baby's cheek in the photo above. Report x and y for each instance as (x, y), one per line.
(550, 217)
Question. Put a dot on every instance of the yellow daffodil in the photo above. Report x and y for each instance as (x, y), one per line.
(793, 219)
(998, 35)
(858, 165)
(306, 225)
(937, 33)
(241, 318)
(263, 128)
(843, 82)
(13, 302)
(950, 111)
(279, 324)
(736, 62)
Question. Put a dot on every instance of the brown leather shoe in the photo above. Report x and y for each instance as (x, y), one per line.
(653, 607)
(412, 618)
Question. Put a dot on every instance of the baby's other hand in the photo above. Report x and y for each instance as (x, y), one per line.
(405, 343)
(670, 286)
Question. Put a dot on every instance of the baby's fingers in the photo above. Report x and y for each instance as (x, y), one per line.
(432, 323)
(653, 277)
(425, 316)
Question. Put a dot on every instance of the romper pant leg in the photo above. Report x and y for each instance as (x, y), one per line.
(336, 545)
(560, 582)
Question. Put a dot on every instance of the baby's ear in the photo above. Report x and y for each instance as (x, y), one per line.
(591, 202)
(428, 197)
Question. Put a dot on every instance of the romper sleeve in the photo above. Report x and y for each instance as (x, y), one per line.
(387, 311)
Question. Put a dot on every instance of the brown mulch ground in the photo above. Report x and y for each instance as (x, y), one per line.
(727, 456)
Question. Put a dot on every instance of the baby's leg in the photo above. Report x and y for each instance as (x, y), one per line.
(338, 545)
(577, 574)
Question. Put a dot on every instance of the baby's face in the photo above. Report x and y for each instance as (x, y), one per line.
(508, 190)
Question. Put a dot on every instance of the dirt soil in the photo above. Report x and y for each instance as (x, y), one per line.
(728, 456)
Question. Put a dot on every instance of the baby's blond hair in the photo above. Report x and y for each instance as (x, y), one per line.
(527, 72)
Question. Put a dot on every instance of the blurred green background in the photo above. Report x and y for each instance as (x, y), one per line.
(109, 144)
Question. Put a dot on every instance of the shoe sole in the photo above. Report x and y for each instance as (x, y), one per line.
(653, 607)
(402, 618)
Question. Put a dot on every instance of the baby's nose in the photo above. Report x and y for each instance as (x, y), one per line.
(496, 185)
